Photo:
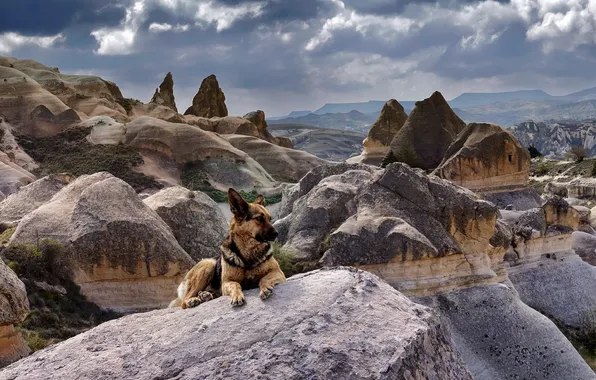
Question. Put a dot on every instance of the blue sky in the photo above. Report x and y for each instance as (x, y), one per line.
(283, 55)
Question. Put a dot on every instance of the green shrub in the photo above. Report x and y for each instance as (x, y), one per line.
(128, 103)
(542, 169)
(70, 152)
(59, 310)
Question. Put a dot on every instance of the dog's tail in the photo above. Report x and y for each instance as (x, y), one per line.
(195, 281)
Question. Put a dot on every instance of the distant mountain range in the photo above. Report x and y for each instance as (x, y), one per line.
(502, 108)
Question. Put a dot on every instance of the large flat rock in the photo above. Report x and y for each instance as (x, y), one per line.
(332, 324)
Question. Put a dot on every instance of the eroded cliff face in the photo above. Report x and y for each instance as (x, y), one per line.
(14, 307)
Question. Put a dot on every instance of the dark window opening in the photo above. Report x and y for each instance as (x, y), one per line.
(510, 158)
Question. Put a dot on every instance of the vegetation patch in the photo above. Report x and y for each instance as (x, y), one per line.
(58, 309)
(70, 152)
(196, 179)
(541, 167)
(288, 263)
(128, 103)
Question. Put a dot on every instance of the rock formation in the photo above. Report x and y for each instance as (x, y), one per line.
(490, 161)
(381, 133)
(164, 96)
(125, 257)
(337, 323)
(210, 101)
(195, 219)
(548, 275)
(283, 164)
(427, 134)
(12, 176)
(30, 197)
(9, 145)
(584, 244)
(439, 244)
(14, 307)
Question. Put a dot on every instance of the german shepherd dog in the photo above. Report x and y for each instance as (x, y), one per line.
(246, 259)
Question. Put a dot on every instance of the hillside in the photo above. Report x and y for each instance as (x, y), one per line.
(350, 121)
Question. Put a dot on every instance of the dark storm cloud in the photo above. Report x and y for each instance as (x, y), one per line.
(385, 7)
(45, 17)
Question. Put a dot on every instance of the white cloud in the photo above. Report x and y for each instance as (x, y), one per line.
(158, 28)
(224, 16)
(11, 41)
(120, 41)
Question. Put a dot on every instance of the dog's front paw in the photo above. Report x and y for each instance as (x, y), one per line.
(265, 293)
(205, 296)
(193, 302)
(237, 300)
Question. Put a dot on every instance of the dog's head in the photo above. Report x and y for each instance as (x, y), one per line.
(251, 219)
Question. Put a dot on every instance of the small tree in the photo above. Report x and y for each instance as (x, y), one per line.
(534, 152)
(577, 153)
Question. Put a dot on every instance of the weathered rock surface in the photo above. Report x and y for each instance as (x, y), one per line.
(196, 220)
(166, 147)
(500, 337)
(584, 244)
(210, 101)
(548, 275)
(381, 133)
(427, 134)
(12, 176)
(30, 197)
(521, 200)
(485, 158)
(14, 307)
(283, 164)
(125, 257)
(326, 324)
(164, 95)
(420, 233)
(9, 145)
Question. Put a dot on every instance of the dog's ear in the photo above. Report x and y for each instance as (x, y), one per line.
(238, 205)
(259, 200)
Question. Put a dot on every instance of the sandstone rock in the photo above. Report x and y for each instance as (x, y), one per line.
(326, 324)
(258, 119)
(104, 130)
(20, 95)
(582, 188)
(427, 134)
(195, 219)
(14, 307)
(499, 337)
(557, 189)
(30, 197)
(181, 143)
(12, 176)
(397, 223)
(584, 245)
(125, 257)
(282, 163)
(520, 200)
(165, 94)
(548, 275)
(209, 101)
(233, 125)
(486, 159)
(381, 133)
(9, 145)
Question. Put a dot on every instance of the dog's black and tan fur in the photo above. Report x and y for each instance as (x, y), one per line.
(246, 259)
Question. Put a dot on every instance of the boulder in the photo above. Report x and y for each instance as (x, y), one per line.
(427, 134)
(258, 119)
(584, 244)
(32, 196)
(499, 337)
(164, 95)
(210, 101)
(486, 159)
(283, 164)
(545, 270)
(521, 200)
(381, 133)
(124, 256)
(14, 307)
(196, 220)
(234, 125)
(337, 323)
